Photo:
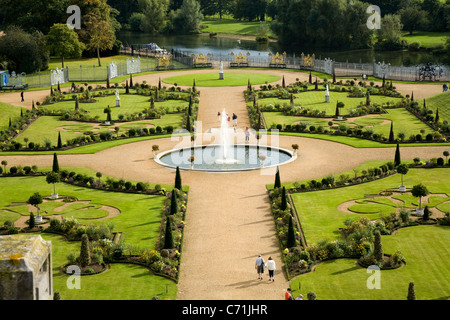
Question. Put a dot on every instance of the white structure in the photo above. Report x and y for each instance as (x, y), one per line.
(117, 98)
(133, 66)
(57, 76)
(25, 268)
(221, 70)
(327, 95)
(112, 71)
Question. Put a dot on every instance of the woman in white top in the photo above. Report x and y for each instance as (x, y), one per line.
(270, 265)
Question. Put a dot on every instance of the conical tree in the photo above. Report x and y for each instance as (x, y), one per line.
(59, 140)
(310, 77)
(178, 179)
(31, 223)
(316, 85)
(77, 104)
(426, 213)
(188, 124)
(391, 133)
(131, 80)
(377, 246)
(85, 255)
(384, 80)
(411, 292)
(397, 159)
(127, 88)
(368, 98)
(337, 110)
(283, 83)
(436, 119)
(277, 183)
(55, 167)
(283, 199)
(173, 203)
(168, 238)
(412, 96)
(334, 77)
(291, 234)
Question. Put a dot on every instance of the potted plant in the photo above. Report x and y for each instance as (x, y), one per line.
(402, 169)
(191, 159)
(155, 149)
(420, 191)
(35, 200)
(295, 147)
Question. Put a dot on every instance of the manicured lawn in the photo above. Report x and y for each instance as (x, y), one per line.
(426, 252)
(315, 100)
(230, 79)
(318, 211)
(441, 102)
(8, 111)
(47, 127)
(427, 39)
(129, 104)
(231, 27)
(121, 282)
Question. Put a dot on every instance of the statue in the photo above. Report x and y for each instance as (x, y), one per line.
(117, 98)
(327, 95)
(221, 70)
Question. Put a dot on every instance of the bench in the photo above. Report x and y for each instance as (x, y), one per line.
(273, 65)
(203, 65)
(236, 64)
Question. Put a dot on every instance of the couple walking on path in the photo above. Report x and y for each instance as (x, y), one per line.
(260, 265)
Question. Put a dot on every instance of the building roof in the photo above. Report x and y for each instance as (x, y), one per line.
(23, 252)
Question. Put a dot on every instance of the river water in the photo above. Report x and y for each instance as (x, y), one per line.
(224, 46)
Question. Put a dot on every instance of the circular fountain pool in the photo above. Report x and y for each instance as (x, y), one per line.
(212, 158)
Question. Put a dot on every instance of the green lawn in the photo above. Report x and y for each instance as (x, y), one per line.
(47, 128)
(426, 252)
(315, 100)
(230, 79)
(442, 102)
(129, 103)
(318, 211)
(427, 39)
(8, 111)
(231, 27)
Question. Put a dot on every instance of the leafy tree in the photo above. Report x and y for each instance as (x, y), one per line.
(155, 15)
(63, 42)
(100, 34)
(25, 52)
(446, 154)
(413, 18)
(250, 9)
(85, 254)
(420, 191)
(390, 33)
(53, 178)
(221, 7)
(188, 18)
(402, 169)
(35, 200)
(168, 238)
(4, 164)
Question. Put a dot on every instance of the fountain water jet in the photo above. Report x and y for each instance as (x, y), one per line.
(226, 145)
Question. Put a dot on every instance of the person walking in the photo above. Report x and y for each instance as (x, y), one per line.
(259, 266)
(21, 96)
(247, 134)
(270, 265)
(218, 115)
(234, 120)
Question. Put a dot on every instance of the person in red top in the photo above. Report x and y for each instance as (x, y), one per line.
(287, 294)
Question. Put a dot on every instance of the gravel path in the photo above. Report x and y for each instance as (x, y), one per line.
(229, 221)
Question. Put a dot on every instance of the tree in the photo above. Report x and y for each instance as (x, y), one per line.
(391, 133)
(31, 222)
(173, 202)
(426, 213)
(221, 7)
(188, 18)
(402, 169)
(63, 42)
(178, 179)
(436, 119)
(283, 200)
(446, 154)
(25, 52)
(59, 140)
(397, 159)
(390, 33)
(168, 238)
(85, 254)
(250, 9)
(55, 166)
(377, 246)
(100, 34)
(4, 164)
(277, 183)
(420, 191)
(53, 177)
(35, 200)
(411, 292)
(155, 15)
(291, 242)
(413, 18)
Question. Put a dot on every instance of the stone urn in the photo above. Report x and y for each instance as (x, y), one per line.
(402, 188)
(54, 196)
(38, 219)
(419, 211)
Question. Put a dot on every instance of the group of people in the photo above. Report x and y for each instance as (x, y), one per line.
(234, 118)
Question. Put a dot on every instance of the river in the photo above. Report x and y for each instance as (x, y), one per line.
(224, 46)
